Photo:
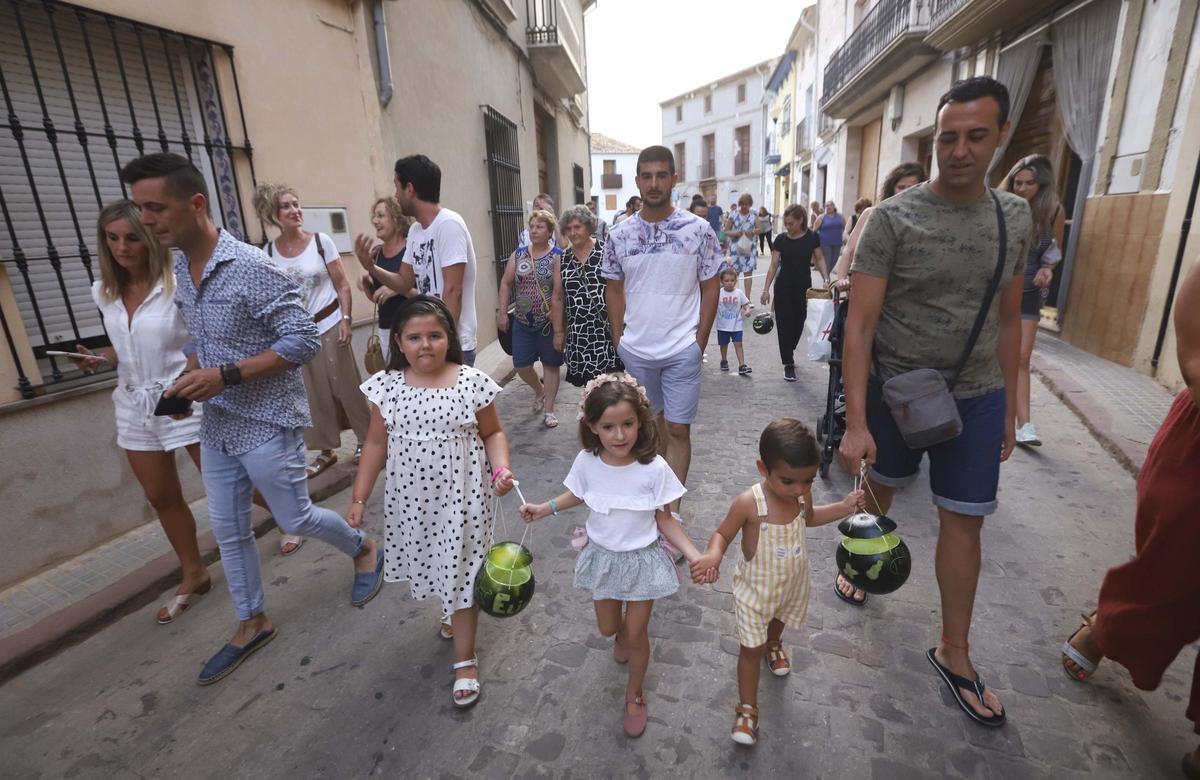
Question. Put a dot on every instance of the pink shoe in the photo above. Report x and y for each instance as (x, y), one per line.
(579, 538)
(635, 725)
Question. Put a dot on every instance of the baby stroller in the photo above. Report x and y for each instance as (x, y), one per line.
(832, 424)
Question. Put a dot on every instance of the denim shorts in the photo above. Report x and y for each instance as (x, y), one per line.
(672, 383)
(964, 473)
(726, 336)
(531, 344)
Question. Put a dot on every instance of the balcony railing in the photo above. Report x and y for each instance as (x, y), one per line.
(610, 181)
(956, 23)
(803, 136)
(941, 10)
(555, 48)
(706, 171)
(880, 28)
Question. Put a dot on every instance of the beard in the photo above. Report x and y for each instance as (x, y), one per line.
(656, 201)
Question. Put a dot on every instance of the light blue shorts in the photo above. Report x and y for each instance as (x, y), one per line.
(672, 383)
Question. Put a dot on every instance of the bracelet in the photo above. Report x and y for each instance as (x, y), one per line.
(358, 501)
(496, 472)
(553, 506)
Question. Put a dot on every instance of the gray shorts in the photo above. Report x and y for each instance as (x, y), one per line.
(672, 383)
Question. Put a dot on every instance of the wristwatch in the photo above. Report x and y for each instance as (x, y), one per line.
(231, 375)
(346, 318)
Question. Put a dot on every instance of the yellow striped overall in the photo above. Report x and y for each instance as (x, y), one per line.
(774, 583)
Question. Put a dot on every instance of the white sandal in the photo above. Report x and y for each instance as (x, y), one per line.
(470, 684)
(179, 604)
(442, 631)
(286, 539)
(550, 420)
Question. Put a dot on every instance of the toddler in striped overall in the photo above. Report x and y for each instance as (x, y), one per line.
(770, 585)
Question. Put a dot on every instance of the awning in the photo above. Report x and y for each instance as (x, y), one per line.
(784, 169)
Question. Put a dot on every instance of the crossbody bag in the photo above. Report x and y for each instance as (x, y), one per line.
(922, 401)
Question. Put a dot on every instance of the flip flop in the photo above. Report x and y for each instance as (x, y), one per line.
(848, 599)
(956, 683)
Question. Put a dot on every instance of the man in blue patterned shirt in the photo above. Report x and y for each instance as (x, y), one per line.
(251, 334)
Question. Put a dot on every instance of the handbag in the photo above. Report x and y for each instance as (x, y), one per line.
(373, 358)
(922, 401)
(745, 245)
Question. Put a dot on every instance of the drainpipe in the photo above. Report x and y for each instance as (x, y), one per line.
(1184, 230)
(383, 58)
(815, 125)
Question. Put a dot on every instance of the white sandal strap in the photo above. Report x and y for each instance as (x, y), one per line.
(466, 684)
(1080, 660)
(465, 664)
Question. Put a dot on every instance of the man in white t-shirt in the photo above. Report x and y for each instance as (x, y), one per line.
(661, 269)
(439, 258)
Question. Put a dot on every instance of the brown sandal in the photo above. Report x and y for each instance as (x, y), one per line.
(1087, 667)
(777, 659)
(745, 725)
(320, 463)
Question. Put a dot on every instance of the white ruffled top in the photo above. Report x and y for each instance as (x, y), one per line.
(622, 499)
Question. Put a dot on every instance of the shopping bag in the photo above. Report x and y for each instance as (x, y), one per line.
(817, 325)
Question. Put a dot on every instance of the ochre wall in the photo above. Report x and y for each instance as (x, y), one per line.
(1117, 252)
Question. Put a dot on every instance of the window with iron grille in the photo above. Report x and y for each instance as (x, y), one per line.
(504, 184)
(577, 175)
(84, 93)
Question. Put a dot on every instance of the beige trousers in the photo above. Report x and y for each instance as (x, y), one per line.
(334, 400)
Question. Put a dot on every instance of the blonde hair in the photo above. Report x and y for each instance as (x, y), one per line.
(545, 216)
(394, 211)
(266, 201)
(113, 277)
(745, 199)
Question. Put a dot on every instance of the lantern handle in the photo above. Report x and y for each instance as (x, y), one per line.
(861, 480)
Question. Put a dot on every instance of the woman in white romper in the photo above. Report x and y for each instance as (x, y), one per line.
(135, 294)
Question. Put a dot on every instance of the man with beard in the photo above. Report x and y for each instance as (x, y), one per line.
(661, 267)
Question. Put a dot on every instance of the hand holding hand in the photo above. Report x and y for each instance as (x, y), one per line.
(531, 513)
(704, 566)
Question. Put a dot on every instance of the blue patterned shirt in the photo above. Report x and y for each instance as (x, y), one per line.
(245, 306)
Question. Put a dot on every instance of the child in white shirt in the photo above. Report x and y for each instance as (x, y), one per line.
(732, 306)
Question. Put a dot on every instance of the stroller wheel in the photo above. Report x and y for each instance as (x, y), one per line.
(826, 459)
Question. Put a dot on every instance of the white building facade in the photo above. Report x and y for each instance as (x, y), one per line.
(717, 132)
(614, 175)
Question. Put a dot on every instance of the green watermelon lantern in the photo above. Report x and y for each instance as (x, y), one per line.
(504, 585)
(871, 555)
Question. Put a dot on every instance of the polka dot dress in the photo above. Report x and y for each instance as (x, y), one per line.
(437, 507)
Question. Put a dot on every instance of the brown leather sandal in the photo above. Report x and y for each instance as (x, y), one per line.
(745, 725)
(320, 463)
(777, 660)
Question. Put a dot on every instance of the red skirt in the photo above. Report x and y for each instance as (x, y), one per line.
(1149, 608)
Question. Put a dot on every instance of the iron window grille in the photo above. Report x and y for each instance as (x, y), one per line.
(84, 93)
(577, 176)
(504, 184)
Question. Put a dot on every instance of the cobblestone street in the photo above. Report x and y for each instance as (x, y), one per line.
(354, 693)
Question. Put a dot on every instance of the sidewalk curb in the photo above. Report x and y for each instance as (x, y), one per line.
(1093, 414)
(75, 623)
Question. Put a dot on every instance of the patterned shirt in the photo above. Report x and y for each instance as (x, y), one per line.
(662, 265)
(245, 306)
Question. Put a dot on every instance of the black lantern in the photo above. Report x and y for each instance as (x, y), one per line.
(504, 585)
(872, 556)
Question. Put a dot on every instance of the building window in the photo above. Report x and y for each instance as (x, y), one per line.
(504, 184)
(679, 113)
(741, 150)
(708, 151)
(681, 160)
(708, 103)
(610, 202)
(785, 121)
(610, 167)
(741, 93)
(86, 93)
(577, 178)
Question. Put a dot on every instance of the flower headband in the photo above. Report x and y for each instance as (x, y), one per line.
(604, 379)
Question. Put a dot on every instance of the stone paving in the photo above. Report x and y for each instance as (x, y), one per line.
(345, 692)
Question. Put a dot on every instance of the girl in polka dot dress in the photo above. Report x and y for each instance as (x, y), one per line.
(434, 422)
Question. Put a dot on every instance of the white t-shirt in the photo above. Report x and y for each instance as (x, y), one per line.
(729, 309)
(309, 272)
(444, 243)
(622, 499)
(662, 265)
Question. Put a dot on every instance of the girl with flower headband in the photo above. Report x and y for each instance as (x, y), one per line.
(627, 487)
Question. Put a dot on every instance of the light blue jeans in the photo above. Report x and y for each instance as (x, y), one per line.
(276, 468)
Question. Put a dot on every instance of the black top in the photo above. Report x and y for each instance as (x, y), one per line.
(388, 308)
(795, 256)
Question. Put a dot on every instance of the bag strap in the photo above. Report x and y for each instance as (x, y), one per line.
(993, 285)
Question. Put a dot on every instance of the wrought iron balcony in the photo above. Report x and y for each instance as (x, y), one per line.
(886, 48)
(555, 48)
(955, 23)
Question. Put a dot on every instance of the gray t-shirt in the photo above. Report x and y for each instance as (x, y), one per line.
(938, 258)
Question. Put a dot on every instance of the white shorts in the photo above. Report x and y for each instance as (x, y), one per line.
(139, 430)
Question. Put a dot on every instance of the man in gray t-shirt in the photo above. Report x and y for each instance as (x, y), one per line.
(920, 275)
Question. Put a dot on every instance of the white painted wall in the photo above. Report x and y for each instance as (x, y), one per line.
(1145, 79)
(1172, 160)
(627, 167)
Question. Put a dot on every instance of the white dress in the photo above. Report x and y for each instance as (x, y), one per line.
(437, 507)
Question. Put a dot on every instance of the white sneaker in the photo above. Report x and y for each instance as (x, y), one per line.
(1027, 436)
